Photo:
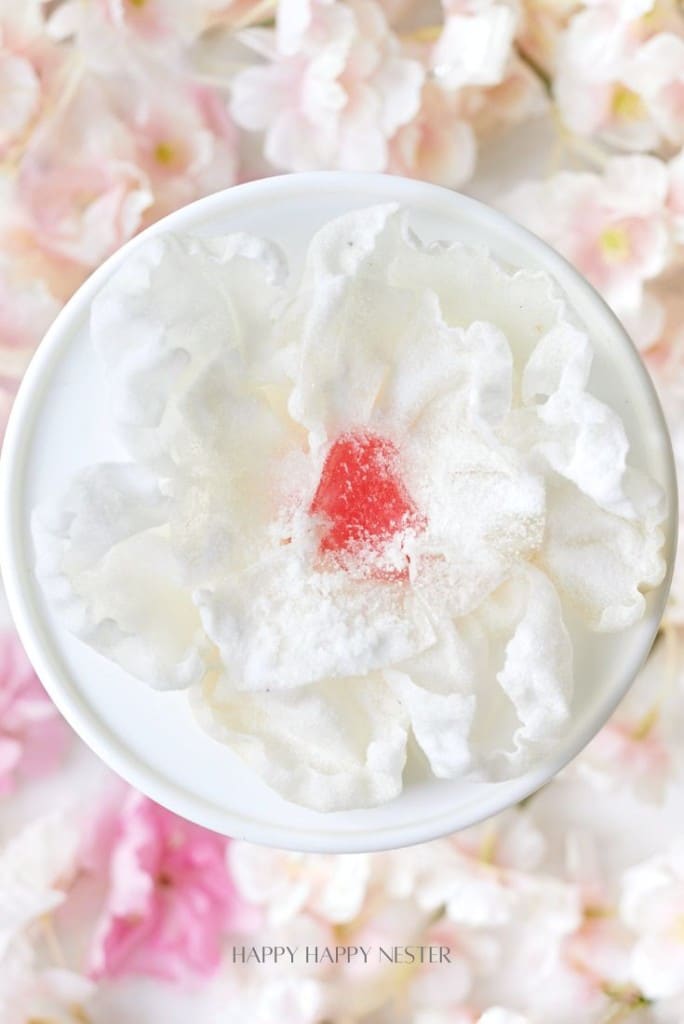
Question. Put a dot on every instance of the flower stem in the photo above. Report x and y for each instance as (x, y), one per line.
(536, 68)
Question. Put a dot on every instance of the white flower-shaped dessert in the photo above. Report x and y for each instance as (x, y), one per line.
(358, 507)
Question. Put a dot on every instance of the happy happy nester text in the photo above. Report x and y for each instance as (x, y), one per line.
(341, 954)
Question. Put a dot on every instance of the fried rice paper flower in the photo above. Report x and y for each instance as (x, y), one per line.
(357, 506)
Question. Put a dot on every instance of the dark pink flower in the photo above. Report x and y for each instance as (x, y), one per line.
(170, 897)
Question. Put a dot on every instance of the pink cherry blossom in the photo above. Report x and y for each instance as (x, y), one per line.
(652, 905)
(170, 897)
(33, 736)
(518, 97)
(511, 840)
(613, 228)
(439, 144)
(330, 888)
(542, 24)
(80, 194)
(675, 199)
(445, 987)
(27, 309)
(620, 74)
(29, 994)
(30, 70)
(475, 44)
(184, 138)
(333, 90)
(153, 23)
(637, 748)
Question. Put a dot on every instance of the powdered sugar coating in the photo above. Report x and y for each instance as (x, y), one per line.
(231, 385)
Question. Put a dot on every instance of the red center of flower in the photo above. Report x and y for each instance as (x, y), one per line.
(362, 498)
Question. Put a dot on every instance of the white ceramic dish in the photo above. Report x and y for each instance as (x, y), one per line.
(60, 423)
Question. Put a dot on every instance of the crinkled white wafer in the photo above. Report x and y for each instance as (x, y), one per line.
(359, 504)
(105, 560)
(341, 743)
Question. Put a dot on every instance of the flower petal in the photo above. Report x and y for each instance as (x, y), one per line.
(375, 347)
(104, 558)
(450, 470)
(537, 671)
(268, 622)
(440, 704)
(332, 746)
(598, 560)
(176, 304)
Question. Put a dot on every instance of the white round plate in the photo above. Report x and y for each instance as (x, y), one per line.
(60, 423)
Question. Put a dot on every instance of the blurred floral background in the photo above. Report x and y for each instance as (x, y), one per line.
(569, 116)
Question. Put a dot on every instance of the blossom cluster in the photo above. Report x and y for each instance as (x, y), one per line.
(115, 112)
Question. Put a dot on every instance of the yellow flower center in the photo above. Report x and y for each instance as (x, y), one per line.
(164, 152)
(425, 34)
(615, 245)
(652, 20)
(137, 3)
(627, 104)
(643, 728)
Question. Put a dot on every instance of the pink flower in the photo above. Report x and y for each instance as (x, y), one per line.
(438, 145)
(154, 23)
(80, 194)
(621, 74)
(144, 130)
(287, 884)
(542, 24)
(675, 200)
(26, 311)
(170, 898)
(511, 840)
(334, 89)
(519, 96)
(637, 748)
(184, 138)
(33, 736)
(21, 96)
(613, 228)
(30, 65)
(444, 988)
(652, 905)
(8, 389)
(475, 45)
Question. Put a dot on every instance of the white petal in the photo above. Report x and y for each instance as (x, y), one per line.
(331, 746)
(36, 866)
(580, 437)
(231, 451)
(475, 49)
(269, 622)
(637, 185)
(601, 562)
(105, 561)
(399, 82)
(560, 361)
(174, 306)
(537, 671)
(437, 691)
(20, 88)
(498, 1015)
(375, 348)
(472, 287)
(658, 966)
(450, 471)
(350, 370)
